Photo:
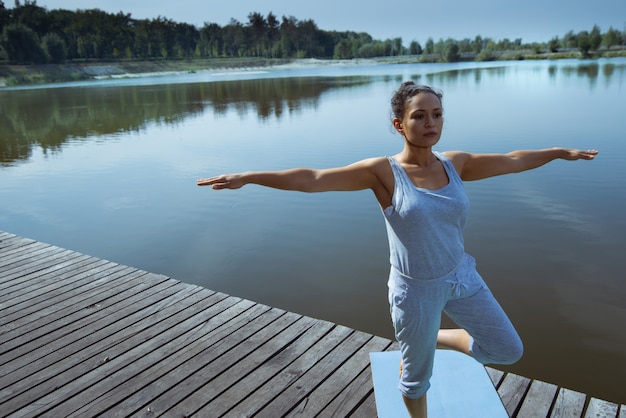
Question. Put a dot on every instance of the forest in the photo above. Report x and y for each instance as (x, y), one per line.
(30, 34)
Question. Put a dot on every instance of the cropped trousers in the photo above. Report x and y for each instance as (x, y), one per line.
(416, 306)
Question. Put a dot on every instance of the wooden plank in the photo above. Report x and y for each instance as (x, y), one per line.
(50, 281)
(74, 348)
(70, 337)
(367, 409)
(246, 388)
(351, 399)
(20, 252)
(159, 335)
(31, 269)
(598, 408)
(32, 257)
(305, 385)
(243, 361)
(29, 255)
(45, 320)
(512, 390)
(39, 328)
(17, 248)
(341, 392)
(30, 282)
(249, 395)
(25, 254)
(539, 399)
(65, 280)
(208, 348)
(213, 372)
(95, 280)
(495, 375)
(249, 404)
(148, 368)
(568, 404)
(5, 236)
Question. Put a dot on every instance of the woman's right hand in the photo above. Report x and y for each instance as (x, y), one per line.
(223, 181)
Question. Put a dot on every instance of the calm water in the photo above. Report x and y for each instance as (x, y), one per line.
(109, 169)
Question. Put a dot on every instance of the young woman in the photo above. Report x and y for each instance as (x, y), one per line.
(421, 194)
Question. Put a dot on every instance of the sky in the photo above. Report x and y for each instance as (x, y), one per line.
(530, 20)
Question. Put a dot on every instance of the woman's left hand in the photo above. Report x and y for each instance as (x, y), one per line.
(576, 154)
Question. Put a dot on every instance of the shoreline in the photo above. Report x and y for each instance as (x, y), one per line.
(12, 75)
(31, 75)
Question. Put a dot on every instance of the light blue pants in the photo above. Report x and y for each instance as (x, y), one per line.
(416, 306)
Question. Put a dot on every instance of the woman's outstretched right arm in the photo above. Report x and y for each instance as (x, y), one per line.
(365, 174)
(299, 179)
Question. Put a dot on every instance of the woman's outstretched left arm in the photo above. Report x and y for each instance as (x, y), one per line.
(480, 166)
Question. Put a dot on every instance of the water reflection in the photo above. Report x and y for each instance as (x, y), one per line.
(50, 117)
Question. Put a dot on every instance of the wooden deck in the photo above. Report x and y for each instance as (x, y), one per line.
(81, 336)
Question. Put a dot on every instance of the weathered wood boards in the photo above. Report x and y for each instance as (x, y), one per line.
(80, 336)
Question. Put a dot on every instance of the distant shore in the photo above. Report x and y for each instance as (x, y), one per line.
(15, 75)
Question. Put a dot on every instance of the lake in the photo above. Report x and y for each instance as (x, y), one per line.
(108, 168)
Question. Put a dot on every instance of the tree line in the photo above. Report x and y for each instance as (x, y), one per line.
(30, 34)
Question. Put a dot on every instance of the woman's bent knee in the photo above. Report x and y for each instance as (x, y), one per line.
(514, 354)
(505, 354)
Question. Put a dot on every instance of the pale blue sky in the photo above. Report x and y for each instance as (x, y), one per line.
(531, 20)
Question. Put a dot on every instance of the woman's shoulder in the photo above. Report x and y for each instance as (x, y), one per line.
(375, 162)
(455, 155)
(457, 158)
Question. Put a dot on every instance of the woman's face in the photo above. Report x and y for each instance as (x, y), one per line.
(422, 122)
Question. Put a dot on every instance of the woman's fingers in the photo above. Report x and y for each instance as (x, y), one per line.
(224, 181)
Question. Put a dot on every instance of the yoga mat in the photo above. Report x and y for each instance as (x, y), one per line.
(460, 387)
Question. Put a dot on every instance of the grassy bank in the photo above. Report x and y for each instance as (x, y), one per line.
(13, 75)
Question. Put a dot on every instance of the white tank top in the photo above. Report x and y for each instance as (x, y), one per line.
(425, 227)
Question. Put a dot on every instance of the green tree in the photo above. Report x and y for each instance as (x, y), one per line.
(430, 46)
(584, 44)
(415, 48)
(343, 50)
(21, 44)
(288, 36)
(595, 38)
(258, 25)
(440, 48)
(505, 45)
(478, 44)
(33, 16)
(5, 16)
(394, 46)
(612, 37)
(211, 40)
(54, 48)
(570, 40)
(308, 43)
(485, 55)
(273, 33)
(234, 38)
(465, 45)
(452, 51)
(553, 44)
